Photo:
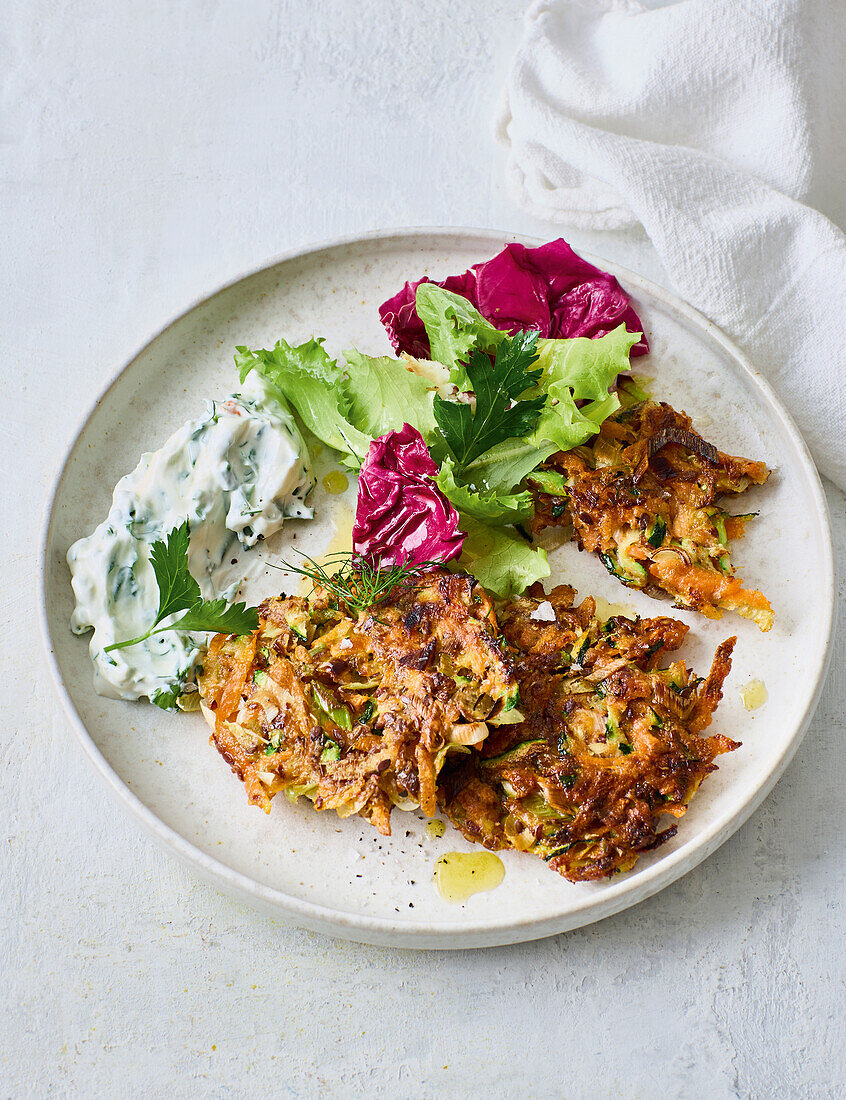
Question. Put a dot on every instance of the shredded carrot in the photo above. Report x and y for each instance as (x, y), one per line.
(712, 588)
(426, 773)
(235, 682)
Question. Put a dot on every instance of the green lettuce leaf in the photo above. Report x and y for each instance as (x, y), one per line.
(505, 465)
(560, 428)
(574, 369)
(382, 395)
(487, 506)
(311, 382)
(455, 328)
(502, 561)
(587, 367)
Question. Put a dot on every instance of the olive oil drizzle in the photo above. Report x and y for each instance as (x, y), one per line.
(460, 875)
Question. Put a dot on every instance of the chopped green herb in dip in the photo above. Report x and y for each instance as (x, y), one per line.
(234, 474)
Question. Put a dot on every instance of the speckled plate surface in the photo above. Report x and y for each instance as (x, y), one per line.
(341, 877)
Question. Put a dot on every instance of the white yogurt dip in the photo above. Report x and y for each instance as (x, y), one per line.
(235, 474)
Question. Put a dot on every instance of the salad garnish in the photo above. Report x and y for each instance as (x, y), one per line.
(549, 290)
(488, 414)
(305, 377)
(498, 412)
(179, 591)
(402, 515)
(358, 582)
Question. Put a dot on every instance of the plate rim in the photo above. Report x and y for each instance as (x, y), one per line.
(382, 931)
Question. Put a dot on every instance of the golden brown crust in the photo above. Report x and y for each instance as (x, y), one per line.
(358, 712)
(642, 495)
(587, 743)
(610, 743)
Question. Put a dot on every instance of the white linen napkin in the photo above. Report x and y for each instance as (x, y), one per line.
(720, 125)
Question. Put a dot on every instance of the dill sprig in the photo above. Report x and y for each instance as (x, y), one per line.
(357, 581)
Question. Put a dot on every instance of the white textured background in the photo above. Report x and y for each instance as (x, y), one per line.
(149, 152)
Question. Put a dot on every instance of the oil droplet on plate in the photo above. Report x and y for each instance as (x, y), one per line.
(754, 694)
(336, 482)
(340, 543)
(435, 828)
(460, 875)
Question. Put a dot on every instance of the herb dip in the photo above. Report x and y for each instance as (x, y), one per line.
(235, 474)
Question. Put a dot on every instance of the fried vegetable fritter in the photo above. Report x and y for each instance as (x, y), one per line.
(359, 712)
(610, 742)
(536, 727)
(642, 495)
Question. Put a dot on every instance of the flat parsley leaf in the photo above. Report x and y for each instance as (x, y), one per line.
(179, 591)
(498, 413)
(166, 699)
(177, 588)
(215, 615)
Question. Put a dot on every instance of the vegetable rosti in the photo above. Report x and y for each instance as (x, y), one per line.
(610, 742)
(358, 710)
(642, 495)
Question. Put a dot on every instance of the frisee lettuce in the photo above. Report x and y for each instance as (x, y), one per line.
(490, 507)
(309, 379)
(499, 558)
(588, 367)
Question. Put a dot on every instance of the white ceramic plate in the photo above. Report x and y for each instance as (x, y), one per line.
(341, 877)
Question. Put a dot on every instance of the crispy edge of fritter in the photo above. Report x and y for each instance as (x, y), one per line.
(440, 612)
(619, 802)
(676, 484)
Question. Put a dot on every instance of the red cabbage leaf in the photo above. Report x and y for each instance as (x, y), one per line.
(548, 289)
(402, 516)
